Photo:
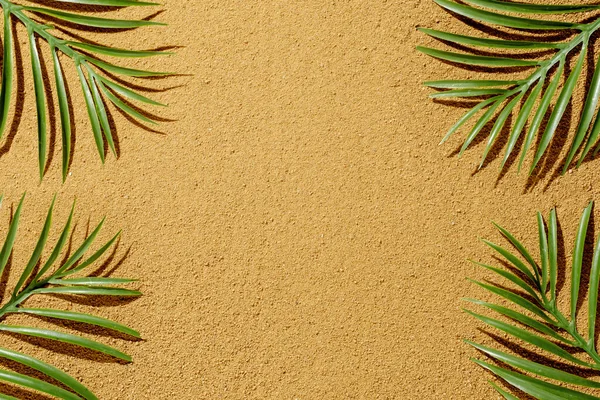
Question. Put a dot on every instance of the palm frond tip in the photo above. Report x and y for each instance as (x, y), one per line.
(99, 88)
(50, 278)
(537, 320)
(543, 98)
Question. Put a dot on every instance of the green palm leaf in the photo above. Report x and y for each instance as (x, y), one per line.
(548, 330)
(544, 68)
(84, 56)
(50, 280)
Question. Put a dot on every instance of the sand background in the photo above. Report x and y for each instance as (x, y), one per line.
(297, 230)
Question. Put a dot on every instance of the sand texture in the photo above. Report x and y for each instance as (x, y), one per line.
(298, 232)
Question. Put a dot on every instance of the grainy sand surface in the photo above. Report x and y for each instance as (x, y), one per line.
(298, 232)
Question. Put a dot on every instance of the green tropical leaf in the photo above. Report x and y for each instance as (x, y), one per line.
(10, 237)
(65, 338)
(80, 317)
(109, 3)
(101, 111)
(48, 370)
(65, 114)
(123, 106)
(116, 52)
(40, 101)
(107, 23)
(92, 113)
(504, 20)
(469, 59)
(534, 367)
(467, 93)
(38, 22)
(548, 331)
(37, 252)
(491, 43)
(7, 73)
(518, 7)
(544, 68)
(36, 384)
(467, 84)
(536, 387)
(88, 291)
(49, 280)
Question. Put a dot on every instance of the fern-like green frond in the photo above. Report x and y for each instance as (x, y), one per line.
(540, 89)
(99, 88)
(537, 320)
(49, 278)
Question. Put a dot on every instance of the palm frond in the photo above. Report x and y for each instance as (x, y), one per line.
(502, 96)
(99, 89)
(538, 321)
(61, 278)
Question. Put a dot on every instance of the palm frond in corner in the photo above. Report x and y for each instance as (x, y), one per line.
(96, 75)
(536, 320)
(539, 91)
(62, 278)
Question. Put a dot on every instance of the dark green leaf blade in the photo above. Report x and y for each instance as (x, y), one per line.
(470, 59)
(522, 119)
(466, 93)
(585, 120)
(559, 109)
(65, 114)
(467, 84)
(80, 317)
(593, 295)
(493, 43)
(529, 337)
(511, 277)
(518, 245)
(89, 291)
(58, 247)
(518, 300)
(66, 271)
(10, 236)
(66, 338)
(109, 3)
(37, 252)
(7, 72)
(543, 242)
(512, 259)
(468, 115)
(541, 112)
(40, 101)
(535, 387)
(518, 7)
(36, 384)
(123, 106)
(522, 318)
(92, 113)
(503, 20)
(48, 370)
(503, 392)
(481, 122)
(552, 254)
(96, 22)
(116, 52)
(101, 111)
(536, 368)
(126, 92)
(498, 125)
(124, 70)
(90, 281)
(578, 259)
(81, 250)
